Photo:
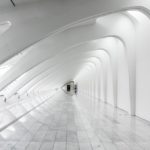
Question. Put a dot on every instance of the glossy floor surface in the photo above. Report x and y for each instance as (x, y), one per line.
(66, 123)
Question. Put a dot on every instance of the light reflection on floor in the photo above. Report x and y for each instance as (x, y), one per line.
(64, 123)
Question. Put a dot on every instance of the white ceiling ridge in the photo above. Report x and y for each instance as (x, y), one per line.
(81, 22)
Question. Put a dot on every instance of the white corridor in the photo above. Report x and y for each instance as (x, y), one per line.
(74, 74)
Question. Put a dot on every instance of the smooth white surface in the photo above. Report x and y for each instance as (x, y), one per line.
(66, 123)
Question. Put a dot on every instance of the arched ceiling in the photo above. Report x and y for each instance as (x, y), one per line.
(55, 36)
(34, 20)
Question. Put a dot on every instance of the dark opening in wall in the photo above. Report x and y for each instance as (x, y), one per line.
(68, 88)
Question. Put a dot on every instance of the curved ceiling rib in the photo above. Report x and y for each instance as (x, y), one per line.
(51, 79)
(52, 24)
(59, 58)
(88, 46)
(62, 64)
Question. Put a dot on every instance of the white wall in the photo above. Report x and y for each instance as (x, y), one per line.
(136, 35)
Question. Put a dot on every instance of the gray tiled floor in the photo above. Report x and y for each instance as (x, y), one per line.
(63, 123)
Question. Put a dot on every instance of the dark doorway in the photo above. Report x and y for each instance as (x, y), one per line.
(68, 88)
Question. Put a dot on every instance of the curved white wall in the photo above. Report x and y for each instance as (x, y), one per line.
(132, 65)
